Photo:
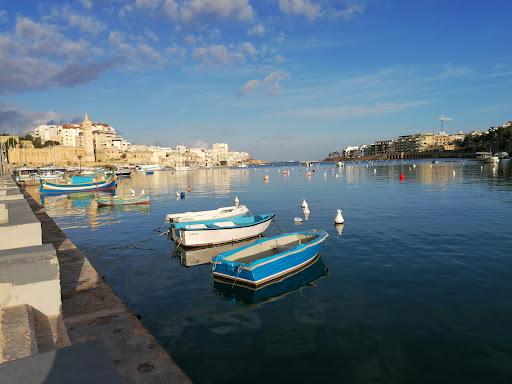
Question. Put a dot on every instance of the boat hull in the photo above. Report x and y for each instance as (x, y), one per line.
(51, 188)
(270, 269)
(201, 238)
(216, 214)
(114, 202)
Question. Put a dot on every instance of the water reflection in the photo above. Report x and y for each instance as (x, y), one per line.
(197, 256)
(275, 290)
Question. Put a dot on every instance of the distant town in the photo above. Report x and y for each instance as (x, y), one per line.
(93, 143)
(440, 144)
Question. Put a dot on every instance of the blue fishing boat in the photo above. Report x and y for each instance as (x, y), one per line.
(268, 259)
(53, 188)
(274, 290)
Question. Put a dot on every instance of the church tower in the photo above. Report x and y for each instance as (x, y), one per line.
(88, 140)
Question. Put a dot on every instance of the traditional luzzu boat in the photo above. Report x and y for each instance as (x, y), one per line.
(47, 187)
(212, 232)
(143, 198)
(215, 214)
(268, 259)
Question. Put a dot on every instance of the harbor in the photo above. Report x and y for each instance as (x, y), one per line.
(358, 299)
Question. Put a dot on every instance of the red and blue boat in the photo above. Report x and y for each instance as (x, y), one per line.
(49, 188)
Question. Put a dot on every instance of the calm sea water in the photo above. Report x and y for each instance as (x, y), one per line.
(416, 286)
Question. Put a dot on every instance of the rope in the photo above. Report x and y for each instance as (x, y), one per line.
(239, 269)
(134, 244)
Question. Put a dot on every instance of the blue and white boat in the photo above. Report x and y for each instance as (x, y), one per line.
(268, 259)
(274, 290)
(93, 186)
(212, 232)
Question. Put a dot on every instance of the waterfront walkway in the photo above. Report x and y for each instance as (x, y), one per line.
(91, 311)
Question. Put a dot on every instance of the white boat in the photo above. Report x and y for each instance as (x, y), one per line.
(51, 175)
(149, 167)
(215, 214)
(218, 232)
(243, 165)
(185, 168)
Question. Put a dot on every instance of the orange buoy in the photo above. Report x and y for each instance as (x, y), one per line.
(402, 177)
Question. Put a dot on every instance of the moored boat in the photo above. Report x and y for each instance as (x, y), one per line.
(143, 198)
(46, 187)
(213, 232)
(123, 172)
(214, 214)
(268, 259)
(274, 290)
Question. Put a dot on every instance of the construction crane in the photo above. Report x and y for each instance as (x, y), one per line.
(442, 119)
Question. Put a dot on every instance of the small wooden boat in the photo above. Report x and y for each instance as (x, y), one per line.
(143, 198)
(45, 187)
(268, 259)
(215, 214)
(274, 290)
(124, 172)
(214, 232)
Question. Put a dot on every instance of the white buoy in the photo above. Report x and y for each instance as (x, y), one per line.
(304, 204)
(132, 191)
(481, 167)
(454, 173)
(339, 218)
(339, 228)
(237, 202)
(177, 194)
(266, 177)
(325, 175)
(337, 175)
(297, 220)
(374, 171)
(414, 166)
(142, 192)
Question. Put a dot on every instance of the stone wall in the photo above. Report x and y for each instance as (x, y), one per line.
(58, 155)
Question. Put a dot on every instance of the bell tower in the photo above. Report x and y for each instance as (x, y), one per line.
(88, 140)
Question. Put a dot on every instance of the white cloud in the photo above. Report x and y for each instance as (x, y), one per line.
(217, 54)
(301, 8)
(248, 49)
(87, 24)
(3, 16)
(135, 54)
(16, 120)
(150, 35)
(45, 39)
(346, 111)
(271, 83)
(257, 30)
(347, 13)
(152, 4)
(187, 11)
(86, 3)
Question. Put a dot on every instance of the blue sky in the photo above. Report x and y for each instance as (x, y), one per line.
(282, 79)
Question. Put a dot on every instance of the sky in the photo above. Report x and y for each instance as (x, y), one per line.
(281, 79)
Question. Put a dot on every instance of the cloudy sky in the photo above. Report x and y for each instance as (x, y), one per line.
(283, 79)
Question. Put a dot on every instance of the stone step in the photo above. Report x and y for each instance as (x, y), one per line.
(17, 333)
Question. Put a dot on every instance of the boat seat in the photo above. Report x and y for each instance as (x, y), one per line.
(196, 226)
(224, 224)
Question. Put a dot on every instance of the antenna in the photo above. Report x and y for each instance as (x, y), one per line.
(442, 119)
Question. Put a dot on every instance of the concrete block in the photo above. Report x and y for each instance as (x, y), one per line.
(17, 334)
(22, 228)
(31, 275)
(83, 363)
(4, 214)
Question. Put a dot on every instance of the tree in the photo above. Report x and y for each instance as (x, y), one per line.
(48, 143)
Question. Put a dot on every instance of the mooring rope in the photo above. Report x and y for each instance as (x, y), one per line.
(134, 244)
